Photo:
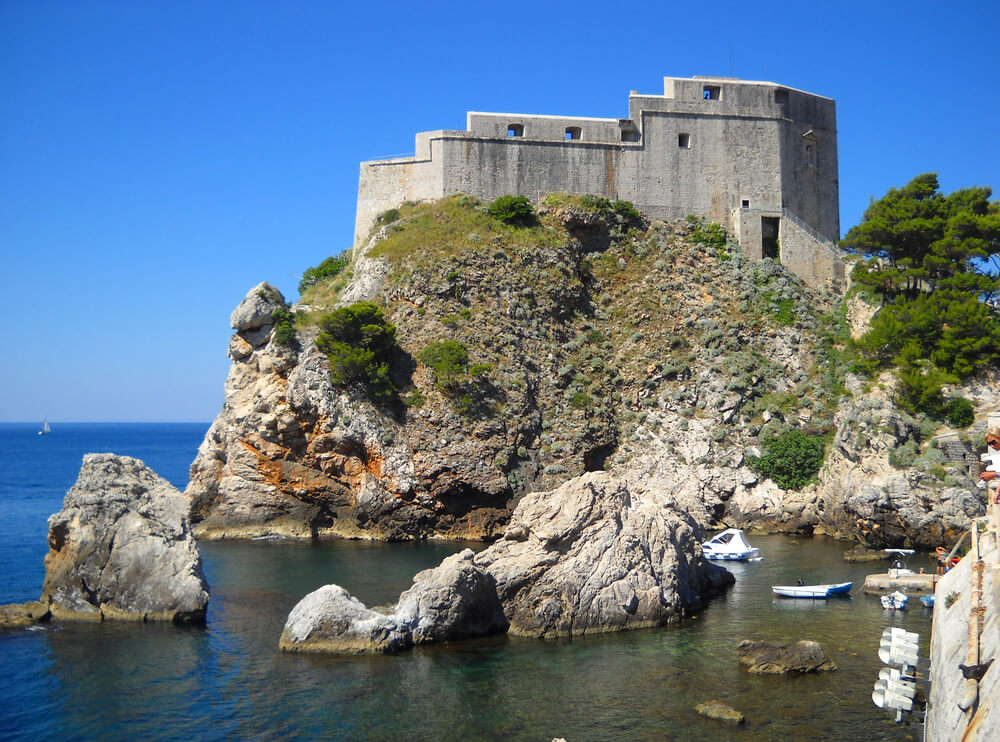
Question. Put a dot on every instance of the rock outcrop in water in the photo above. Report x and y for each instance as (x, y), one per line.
(598, 555)
(121, 548)
(456, 600)
(595, 555)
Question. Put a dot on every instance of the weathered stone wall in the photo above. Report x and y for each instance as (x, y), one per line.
(966, 592)
(754, 145)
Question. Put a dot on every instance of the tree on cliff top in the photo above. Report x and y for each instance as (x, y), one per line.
(916, 238)
(933, 259)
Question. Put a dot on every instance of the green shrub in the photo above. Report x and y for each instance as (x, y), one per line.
(327, 269)
(387, 217)
(284, 332)
(960, 412)
(708, 233)
(359, 342)
(449, 359)
(513, 210)
(791, 460)
(903, 456)
(627, 211)
(415, 399)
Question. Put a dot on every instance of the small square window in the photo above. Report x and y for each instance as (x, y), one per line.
(684, 141)
(515, 130)
(572, 132)
(711, 92)
(746, 203)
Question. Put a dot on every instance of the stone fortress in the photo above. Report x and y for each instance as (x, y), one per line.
(756, 157)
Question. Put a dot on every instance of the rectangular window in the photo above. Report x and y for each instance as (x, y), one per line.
(711, 92)
(746, 203)
(572, 132)
(515, 130)
(684, 141)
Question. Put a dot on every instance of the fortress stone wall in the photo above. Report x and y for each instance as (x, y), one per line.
(757, 157)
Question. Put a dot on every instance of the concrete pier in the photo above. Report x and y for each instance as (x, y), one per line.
(905, 581)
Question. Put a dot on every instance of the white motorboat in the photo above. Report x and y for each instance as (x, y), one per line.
(812, 591)
(895, 601)
(899, 557)
(730, 545)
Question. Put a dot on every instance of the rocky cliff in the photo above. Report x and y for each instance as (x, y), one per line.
(655, 351)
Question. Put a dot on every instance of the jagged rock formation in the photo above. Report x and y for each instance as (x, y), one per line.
(121, 548)
(456, 600)
(611, 345)
(596, 556)
(772, 658)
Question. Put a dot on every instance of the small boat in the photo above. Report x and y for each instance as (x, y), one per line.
(899, 557)
(812, 591)
(895, 601)
(730, 545)
(927, 601)
(45, 428)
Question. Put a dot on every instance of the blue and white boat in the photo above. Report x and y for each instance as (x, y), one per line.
(812, 591)
(895, 601)
(730, 545)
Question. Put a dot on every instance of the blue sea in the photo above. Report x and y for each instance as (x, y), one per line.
(229, 681)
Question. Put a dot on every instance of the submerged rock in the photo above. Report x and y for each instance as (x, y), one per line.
(773, 658)
(456, 600)
(121, 548)
(861, 553)
(720, 711)
(595, 556)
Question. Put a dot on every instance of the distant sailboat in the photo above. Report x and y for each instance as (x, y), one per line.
(45, 428)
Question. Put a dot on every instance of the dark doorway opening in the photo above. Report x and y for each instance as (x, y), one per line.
(596, 458)
(769, 247)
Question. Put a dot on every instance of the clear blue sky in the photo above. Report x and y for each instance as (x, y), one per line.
(159, 158)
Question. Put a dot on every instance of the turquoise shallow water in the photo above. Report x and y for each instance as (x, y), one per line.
(228, 681)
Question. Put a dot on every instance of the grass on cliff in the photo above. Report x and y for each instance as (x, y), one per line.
(427, 232)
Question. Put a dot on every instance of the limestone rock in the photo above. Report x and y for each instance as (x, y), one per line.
(257, 308)
(861, 553)
(291, 455)
(455, 600)
(121, 548)
(593, 556)
(773, 658)
(330, 619)
(720, 711)
(20, 615)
